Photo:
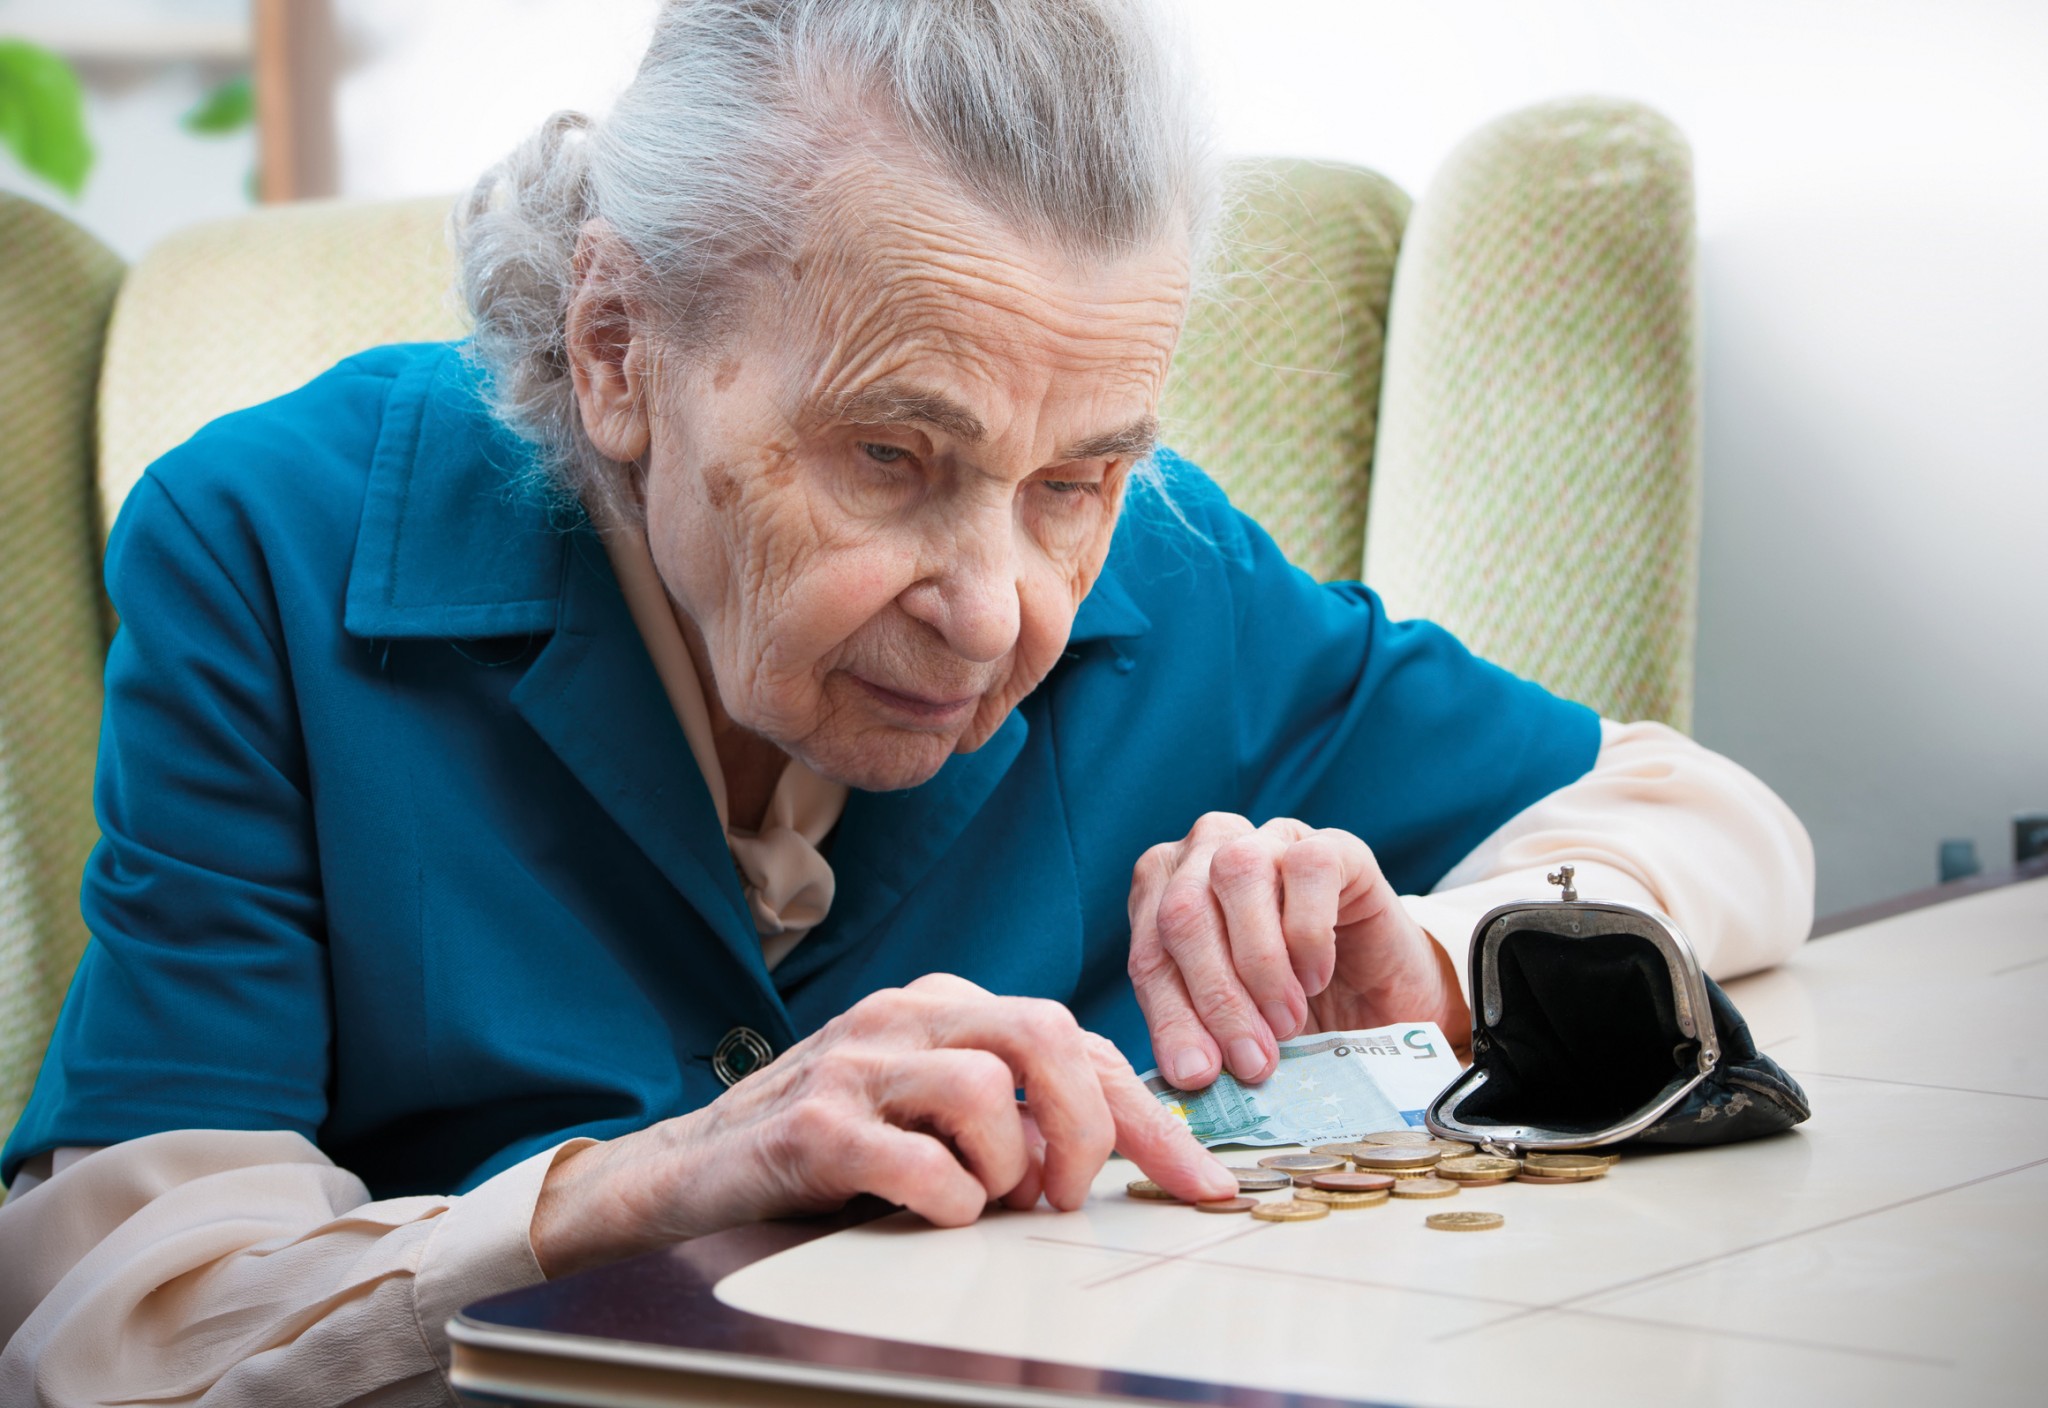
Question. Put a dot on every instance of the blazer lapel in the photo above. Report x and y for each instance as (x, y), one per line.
(593, 696)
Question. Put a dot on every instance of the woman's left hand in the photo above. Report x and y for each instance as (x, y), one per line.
(1243, 936)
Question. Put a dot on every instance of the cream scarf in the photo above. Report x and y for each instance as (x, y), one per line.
(788, 881)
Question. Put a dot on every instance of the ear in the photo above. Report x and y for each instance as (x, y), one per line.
(610, 354)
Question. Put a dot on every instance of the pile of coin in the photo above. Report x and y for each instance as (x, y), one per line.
(1402, 1163)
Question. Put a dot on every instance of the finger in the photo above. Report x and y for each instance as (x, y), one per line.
(1153, 1137)
(914, 1171)
(1187, 1054)
(1025, 1195)
(1042, 1043)
(1195, 937)
(969, 1097)
(1245, 876)
(1312, 874)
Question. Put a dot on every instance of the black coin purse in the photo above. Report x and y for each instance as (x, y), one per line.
(1592, 1024)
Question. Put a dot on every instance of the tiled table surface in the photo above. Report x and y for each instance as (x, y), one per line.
(1893, 1250)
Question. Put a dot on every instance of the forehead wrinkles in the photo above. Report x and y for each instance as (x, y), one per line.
(909, 284)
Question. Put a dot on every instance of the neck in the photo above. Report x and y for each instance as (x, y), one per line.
(752, 765)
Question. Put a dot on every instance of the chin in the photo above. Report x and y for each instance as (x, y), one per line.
(893, 763)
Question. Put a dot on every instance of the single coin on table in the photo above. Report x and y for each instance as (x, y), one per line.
(1335, 1151)
(1401, 1138)
(1464, 1221)
(1341, 1201)
(1302, 1163)
(1394, 1158)
(1566, 1166)
(1260, 1180)
(1479, 1168)
(1428, 1186)
(1290, 1210)
(1149, 1191)
(1539, 1178)
(1352, 1182)
(1237, 1204)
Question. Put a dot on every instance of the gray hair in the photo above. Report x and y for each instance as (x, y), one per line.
(1074, 122)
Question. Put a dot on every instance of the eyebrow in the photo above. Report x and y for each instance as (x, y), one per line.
(893, 403)
(1134, 441)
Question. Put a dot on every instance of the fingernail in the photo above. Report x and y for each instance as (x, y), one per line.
(1279, 1019)
(1187, 1067)
(1246, 1059)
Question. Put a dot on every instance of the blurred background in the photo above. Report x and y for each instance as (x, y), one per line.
(1873, 199)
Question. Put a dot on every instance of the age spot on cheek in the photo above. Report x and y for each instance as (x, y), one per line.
(720, 487)
(728, 372)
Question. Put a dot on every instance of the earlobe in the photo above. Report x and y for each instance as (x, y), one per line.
(608, 352)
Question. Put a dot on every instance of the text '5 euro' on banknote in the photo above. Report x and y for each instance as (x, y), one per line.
(1330, 1086)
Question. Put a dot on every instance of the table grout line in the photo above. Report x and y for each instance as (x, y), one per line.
(1194, 1256)
(1152, 1259)
(1570, 1303)
(1916, 1084)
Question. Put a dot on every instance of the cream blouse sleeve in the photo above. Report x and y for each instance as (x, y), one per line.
(1659, 822)
(229, 1267)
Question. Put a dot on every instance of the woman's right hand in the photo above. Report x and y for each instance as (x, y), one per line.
(909, 1095)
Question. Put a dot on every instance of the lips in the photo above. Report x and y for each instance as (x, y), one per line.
(929, 710)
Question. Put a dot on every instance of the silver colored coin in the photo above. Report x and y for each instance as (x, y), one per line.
(1260, 1180)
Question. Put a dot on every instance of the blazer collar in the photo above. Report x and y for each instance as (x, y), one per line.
(458, 537)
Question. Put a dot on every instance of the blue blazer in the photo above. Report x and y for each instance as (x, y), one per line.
(403, 847)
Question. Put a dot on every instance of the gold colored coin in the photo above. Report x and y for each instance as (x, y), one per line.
(1237, 1204)
(1429, 1187)
(1260, 1180)
(1290, 1210)
(1392, 1158)
(1425, 1171)
(1149, 1191)
(1478, 1166)
(1565, 1165)
(1402, 1138)
(1352, 1182)
(1540, 1178)
(1453, 1149)
(1335, 1151)
(1302, 1163)
(1341, 1201)
(1465, 1221)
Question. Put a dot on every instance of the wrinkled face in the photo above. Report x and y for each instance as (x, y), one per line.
(884, 496)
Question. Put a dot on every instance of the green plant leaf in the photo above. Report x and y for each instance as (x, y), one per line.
(42, 115)
(228, 108)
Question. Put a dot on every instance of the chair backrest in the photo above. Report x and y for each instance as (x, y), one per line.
(56, 285)
(1537, 488)
(224, 315)
(1276, 387)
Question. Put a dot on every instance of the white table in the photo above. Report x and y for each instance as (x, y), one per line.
(1892, 1250)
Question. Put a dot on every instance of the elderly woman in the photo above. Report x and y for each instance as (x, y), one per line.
(695, 751)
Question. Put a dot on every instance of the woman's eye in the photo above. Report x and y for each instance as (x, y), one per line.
(884, 454)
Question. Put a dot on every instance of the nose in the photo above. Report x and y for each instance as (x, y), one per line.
(969, 594)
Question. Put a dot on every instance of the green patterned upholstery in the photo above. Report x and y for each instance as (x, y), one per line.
(1275, 389)
(224, 315)
(56, 285)
(1537, 487)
